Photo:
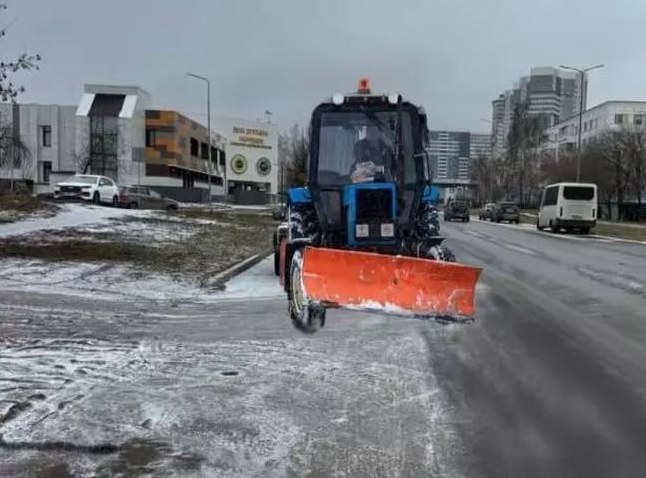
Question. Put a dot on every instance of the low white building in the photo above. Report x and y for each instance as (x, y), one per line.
(563, 137)
(251, 156)
(48, 133)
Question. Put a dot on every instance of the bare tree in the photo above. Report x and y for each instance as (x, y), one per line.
(491, 177)
(293, 148)
(9, 91)
(523, 156)
(101, 153)
(14, 156)
(611, 147)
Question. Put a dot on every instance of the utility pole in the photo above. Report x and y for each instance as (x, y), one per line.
(582, 73)
(208, 121)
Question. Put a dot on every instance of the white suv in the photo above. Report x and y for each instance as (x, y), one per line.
(98, 189)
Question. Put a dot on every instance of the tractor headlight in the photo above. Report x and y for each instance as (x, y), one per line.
(338, 99)
(393, 98)
(361, 230)
(387, 230)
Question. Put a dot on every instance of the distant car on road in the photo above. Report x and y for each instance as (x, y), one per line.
(568, 206)
(88, 187)
(457, 210)
(134, 197)
(486, 212)
(506, 211)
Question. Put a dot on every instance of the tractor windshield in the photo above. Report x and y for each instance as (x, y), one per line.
(360, 146)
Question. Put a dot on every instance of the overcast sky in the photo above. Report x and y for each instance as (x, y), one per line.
(452, 56)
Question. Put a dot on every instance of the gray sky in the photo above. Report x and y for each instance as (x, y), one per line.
(452, 56)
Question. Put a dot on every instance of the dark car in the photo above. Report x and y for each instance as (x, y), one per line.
(134, 197)
(486, 212)
(457, 210)
(507, 211)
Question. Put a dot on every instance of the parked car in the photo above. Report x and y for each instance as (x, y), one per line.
(486, 212)
(457, 210)
(506, 211)
(134, 197)
(88, 187)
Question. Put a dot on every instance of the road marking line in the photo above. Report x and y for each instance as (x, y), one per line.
(517, 248)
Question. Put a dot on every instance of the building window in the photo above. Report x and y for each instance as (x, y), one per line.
(223, 158)
(104, 146)
(639, 120)
(46, 135)
(619, 119)
(151, 138)
(195, 147)
(45, 171)
(204, 149)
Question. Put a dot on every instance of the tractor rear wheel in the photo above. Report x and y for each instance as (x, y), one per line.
(306, 317)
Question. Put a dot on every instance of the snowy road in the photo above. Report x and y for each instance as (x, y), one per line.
(550, 380)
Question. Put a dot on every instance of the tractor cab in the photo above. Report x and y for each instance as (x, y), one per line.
(368, 167)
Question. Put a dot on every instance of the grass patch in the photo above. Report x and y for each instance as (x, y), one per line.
(89, 251)
(180, 243)
(621, 231)
(15, 206)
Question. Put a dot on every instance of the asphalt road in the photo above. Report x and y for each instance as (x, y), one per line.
(549, 380)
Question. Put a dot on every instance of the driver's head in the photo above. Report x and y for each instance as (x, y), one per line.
(373, 134)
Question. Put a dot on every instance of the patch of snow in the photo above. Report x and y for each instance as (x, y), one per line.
(258, 281)
(110, 282)
(97, 281)
(71, 215)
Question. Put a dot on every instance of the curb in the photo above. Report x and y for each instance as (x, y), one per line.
(218, 281)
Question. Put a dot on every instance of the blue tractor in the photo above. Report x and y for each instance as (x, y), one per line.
(364, 232)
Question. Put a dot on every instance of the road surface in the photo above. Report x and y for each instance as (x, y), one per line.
(549, 381)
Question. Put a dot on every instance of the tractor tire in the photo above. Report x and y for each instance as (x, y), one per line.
(307, 318)
(441, 253)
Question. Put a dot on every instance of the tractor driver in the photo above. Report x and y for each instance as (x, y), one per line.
(373, 157)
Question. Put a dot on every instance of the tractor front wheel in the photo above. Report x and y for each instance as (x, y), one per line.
(441, 253)
(306, 317)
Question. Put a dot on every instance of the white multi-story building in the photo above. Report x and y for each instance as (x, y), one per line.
(608, 116)
(548, 93)
(451, 154)
(48, 134)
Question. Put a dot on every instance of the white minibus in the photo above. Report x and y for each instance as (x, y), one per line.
(568, 206)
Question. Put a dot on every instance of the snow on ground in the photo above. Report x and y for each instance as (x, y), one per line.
(258, 281)
(71, 215)
(111, 282)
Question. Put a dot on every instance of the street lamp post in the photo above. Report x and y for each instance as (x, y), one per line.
(208, 122)
(582, 73)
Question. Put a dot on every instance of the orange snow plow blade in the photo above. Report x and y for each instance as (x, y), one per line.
(391, 283)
